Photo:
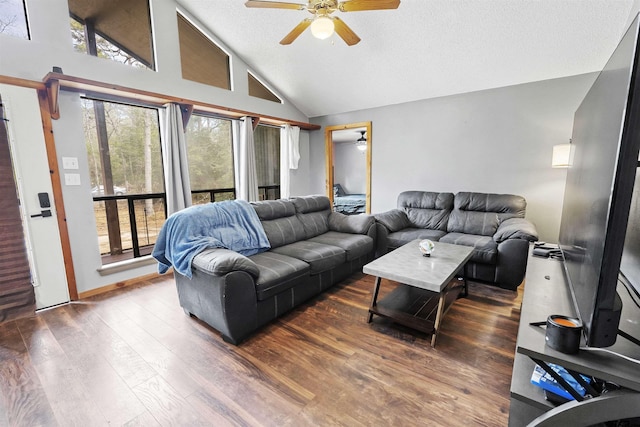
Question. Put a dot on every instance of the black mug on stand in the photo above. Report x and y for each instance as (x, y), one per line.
(563, 333)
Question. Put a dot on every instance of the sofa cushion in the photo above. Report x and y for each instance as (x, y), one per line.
(485, 249)
(220, 261)
(405, 236)
(280, 222)
(355, 245)
(516, 228)
(313, 212)
(505, 205)
(273, 209)
(357, 224)
(480, 223)
(480, 213)
(277, 273)
(394, 219)
(426, 209)
(319, 256)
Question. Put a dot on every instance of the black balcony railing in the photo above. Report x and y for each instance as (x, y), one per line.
(128, 224)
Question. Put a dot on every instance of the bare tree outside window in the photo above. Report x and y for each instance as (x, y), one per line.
(210, 155)
(267, 146)
(125, 160)
(104, 48)
(13, 19)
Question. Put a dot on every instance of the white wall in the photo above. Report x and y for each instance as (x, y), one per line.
(350, 168)
(497, 141)
(51, 46)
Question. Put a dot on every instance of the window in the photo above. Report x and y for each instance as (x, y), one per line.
(267, 145)
(202, 61)
(125, 167)
(13, 19)
(259, 90)
(210, 157)
(119, 30)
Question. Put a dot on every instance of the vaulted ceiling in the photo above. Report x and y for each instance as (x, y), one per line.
(424, 49)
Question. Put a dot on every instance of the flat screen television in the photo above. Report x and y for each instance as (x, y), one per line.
(598, 192)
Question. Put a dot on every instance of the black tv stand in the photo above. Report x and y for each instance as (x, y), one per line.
(546, 292)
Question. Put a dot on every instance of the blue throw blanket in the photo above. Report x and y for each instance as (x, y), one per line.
(232, 225)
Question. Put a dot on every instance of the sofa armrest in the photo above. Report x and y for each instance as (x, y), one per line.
(382, 240)
(354, 224)
(393, 220)
(228, 303)
(516, 228)
(512, 263)
(222, 261)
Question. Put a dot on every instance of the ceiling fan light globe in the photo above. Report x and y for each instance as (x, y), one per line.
(322, 27)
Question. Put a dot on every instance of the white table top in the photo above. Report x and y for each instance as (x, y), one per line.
(407, 265)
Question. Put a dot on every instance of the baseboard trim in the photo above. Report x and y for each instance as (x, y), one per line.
(117, 285)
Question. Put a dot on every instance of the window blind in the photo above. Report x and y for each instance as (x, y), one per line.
(17, 297)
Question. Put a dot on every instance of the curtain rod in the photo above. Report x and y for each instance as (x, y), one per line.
(79, 84)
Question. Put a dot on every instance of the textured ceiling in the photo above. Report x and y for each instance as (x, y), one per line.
(424, 49)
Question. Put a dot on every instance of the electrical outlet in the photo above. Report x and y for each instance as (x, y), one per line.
(69, 163)
(71, 179)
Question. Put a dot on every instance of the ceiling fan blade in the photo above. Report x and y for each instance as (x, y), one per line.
(345, 32)
(358, 5)
(275, 5)
(289, 38)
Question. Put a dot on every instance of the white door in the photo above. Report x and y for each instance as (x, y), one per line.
(31, 169)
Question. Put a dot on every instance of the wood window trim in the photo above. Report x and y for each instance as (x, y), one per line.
(80, 84)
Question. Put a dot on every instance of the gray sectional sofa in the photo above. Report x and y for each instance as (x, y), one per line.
(493, 224)
(312, 248)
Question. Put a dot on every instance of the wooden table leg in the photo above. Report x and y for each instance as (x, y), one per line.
(465, 274)
(439, 314)
(376, 288)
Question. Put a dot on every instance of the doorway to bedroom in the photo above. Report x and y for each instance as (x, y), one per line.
(348, 160)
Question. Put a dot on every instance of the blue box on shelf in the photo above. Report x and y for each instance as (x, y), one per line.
(543, 379)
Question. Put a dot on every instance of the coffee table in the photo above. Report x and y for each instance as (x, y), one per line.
(426, 291)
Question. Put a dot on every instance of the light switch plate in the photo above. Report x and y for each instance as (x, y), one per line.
(72, 179)
(69, 163)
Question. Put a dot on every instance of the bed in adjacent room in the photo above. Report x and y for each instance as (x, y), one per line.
(348, 204)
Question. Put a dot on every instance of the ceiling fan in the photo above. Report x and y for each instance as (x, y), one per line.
(323, 24)
(361, 143)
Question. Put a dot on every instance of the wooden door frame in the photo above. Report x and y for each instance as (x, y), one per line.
(328, 144)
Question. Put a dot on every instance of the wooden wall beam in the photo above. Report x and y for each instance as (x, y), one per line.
(79, 84)
(187, 111)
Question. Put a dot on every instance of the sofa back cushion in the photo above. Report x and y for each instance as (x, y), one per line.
(280, 223)
(426, 209)
(481, 213)
(313, 212)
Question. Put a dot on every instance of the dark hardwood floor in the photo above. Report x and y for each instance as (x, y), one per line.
(132, 357)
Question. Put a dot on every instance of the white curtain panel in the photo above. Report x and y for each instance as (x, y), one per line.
(174, 159)
(246, 177)
(289, 157)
